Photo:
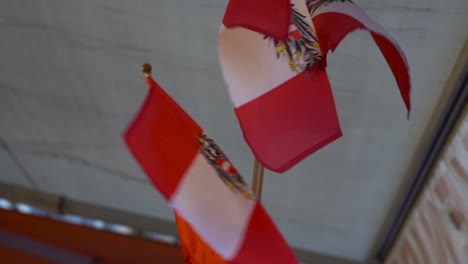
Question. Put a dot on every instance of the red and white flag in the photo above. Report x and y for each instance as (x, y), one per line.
(280, 89)
(334, 19)
(200, 183)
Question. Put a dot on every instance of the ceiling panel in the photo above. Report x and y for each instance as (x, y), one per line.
(70, 84)
(11, 171)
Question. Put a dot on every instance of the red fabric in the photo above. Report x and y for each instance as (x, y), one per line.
(161, 138)
(332, 28)
(290, 122)
(296, 34)
(196, 251)
(268, 17)
(397, 65)
(263, 242)
(232, 170)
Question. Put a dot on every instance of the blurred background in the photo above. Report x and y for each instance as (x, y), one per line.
(70, 84)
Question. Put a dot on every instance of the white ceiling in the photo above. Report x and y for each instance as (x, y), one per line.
(70, 83)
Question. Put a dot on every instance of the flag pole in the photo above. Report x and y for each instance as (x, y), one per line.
(257, 179)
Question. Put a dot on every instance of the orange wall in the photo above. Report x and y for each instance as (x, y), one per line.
(106, 246)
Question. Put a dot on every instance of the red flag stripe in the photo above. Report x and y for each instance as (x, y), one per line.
(267, 17)
(157, 134)
(337, 19)
(263, 243)
(280, 123)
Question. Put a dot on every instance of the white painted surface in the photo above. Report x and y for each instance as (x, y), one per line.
(10, 172)
(70, 83)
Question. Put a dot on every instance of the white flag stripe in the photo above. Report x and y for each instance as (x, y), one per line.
(215, 212)
(249, 63)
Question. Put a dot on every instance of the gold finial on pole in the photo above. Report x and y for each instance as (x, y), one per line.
(146, 69)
